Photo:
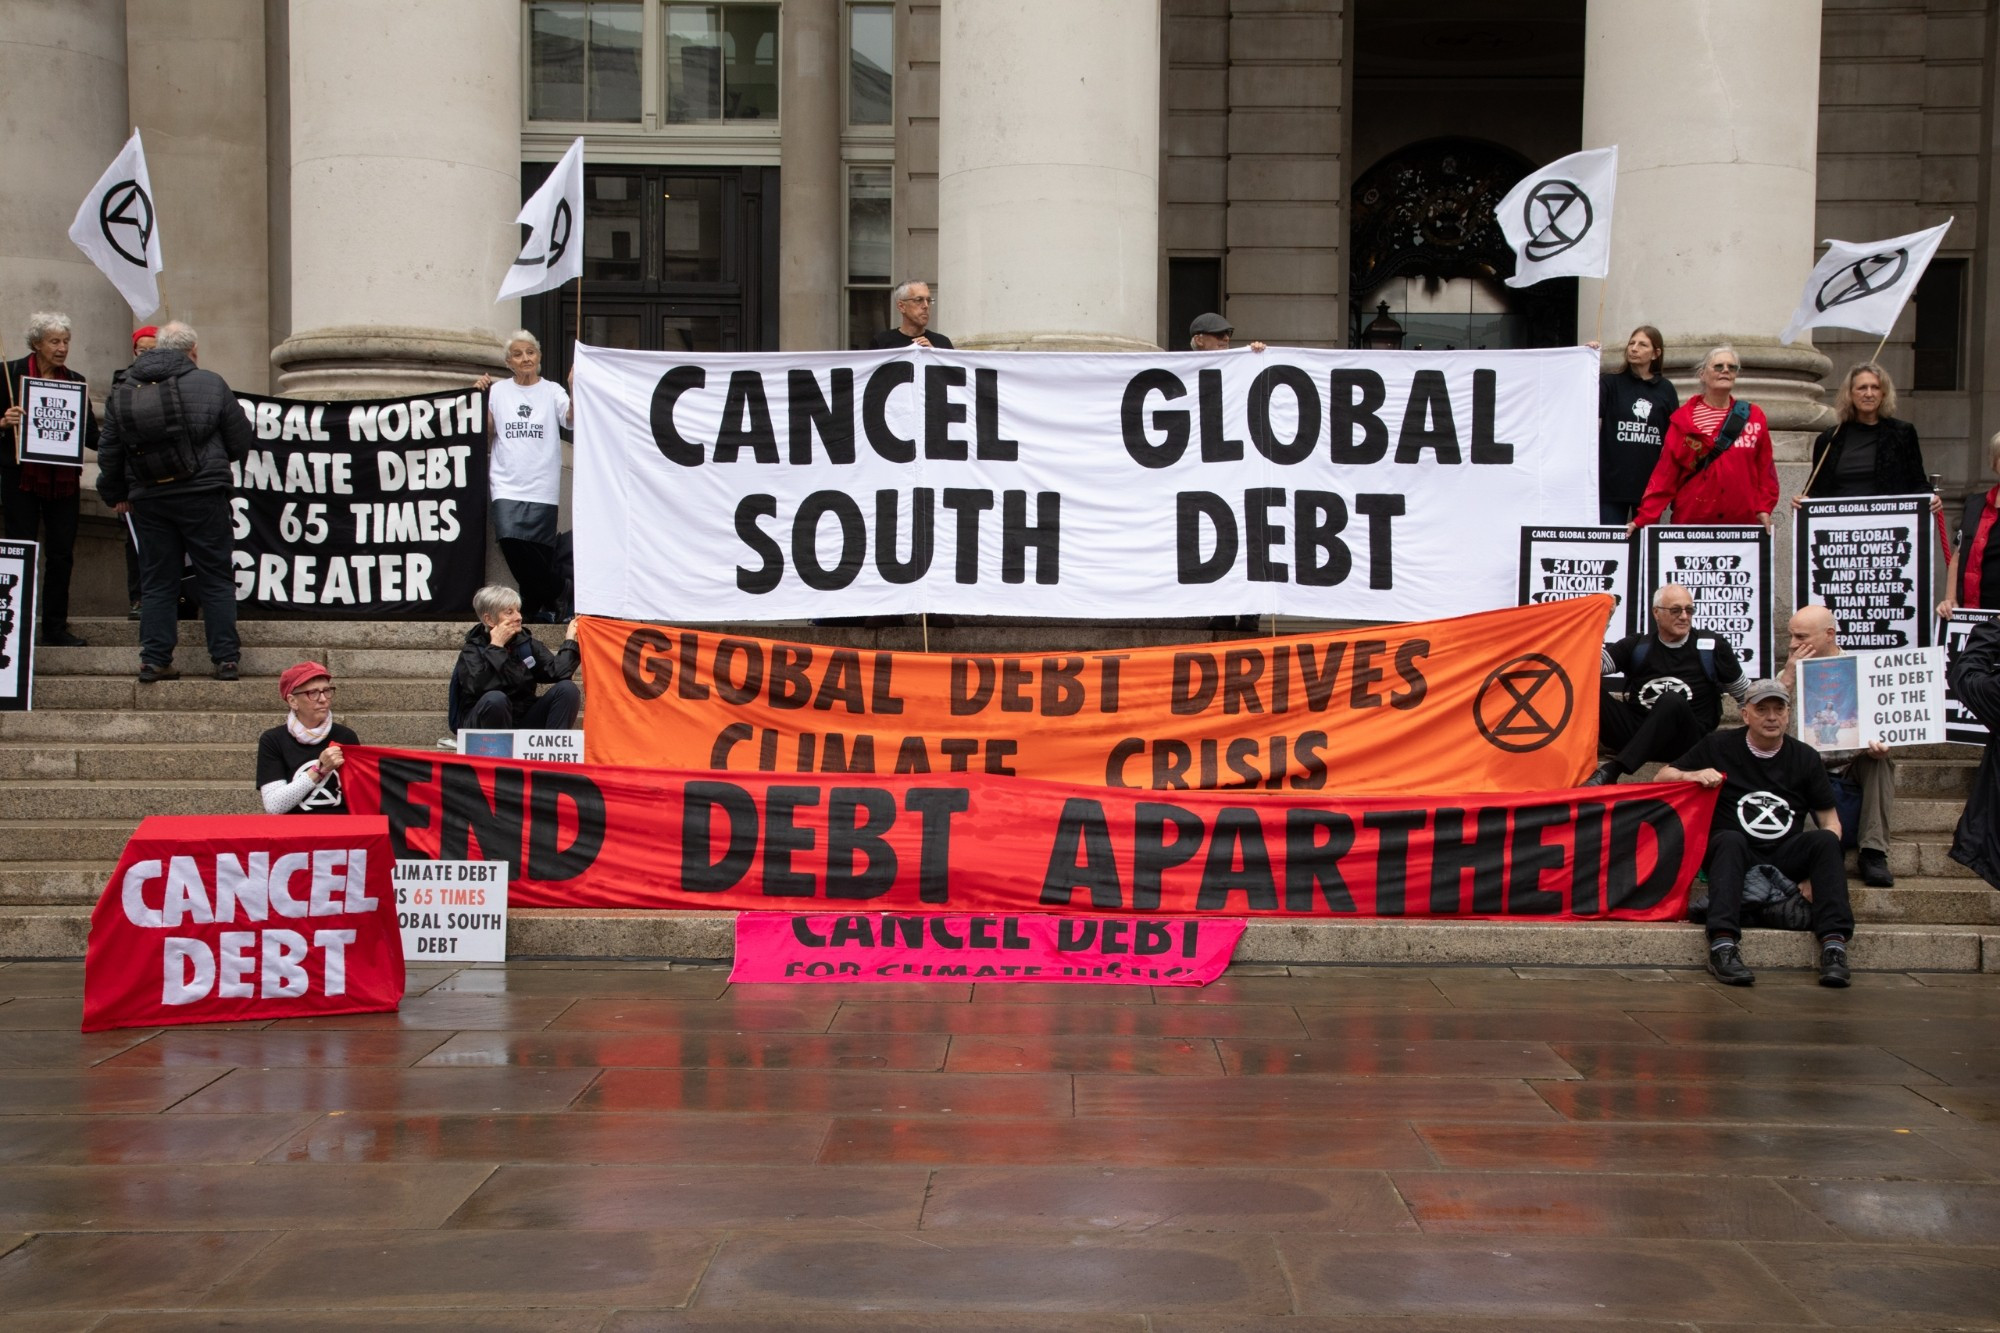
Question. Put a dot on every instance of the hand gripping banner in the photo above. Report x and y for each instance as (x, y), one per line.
(586, 835)
(1499, 701)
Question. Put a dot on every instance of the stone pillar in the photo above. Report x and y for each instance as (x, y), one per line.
(1712, 236)
(197, 89)
(62, 63)
(406, 176)
(1048, 174)
(811, 269)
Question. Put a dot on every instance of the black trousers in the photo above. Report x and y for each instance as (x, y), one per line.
(1636, 736)
(554, 710)
(52, 522)
(533, 566)
(1806, 856)
(197, 526)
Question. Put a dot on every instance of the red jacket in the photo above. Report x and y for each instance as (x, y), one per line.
(1735, 488)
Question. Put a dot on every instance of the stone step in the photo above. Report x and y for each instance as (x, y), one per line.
(1927, 815)
(432, 661)
(178, 762)
(419, 728)
(111, 800)
(1929, 859)
(92, 840)
(59, 932)
(1922, 901)
(1935, 777)
(104, 632)
(197, 692)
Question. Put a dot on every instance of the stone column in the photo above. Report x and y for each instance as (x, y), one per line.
(197, 89)
(1712, 236)
(811, 268)
(62, 63)
(406, 176)
(1048, 174)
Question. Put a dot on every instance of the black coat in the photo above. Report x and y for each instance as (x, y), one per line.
(215, 421)
(483, 667)
(1975, 679)
(1899, 463)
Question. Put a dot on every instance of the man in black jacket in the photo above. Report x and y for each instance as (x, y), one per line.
(1975, 680)
(1675, 675)
(501, 664)
(171, 431)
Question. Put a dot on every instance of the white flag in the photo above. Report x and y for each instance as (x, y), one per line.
(1559, 219)
(554, 252)
(117, 227)
(1864, 286)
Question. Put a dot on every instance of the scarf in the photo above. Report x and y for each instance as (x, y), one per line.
(305, 735)
(1972, 563)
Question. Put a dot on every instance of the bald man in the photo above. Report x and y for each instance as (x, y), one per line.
(1674, 678)
(1815, 633)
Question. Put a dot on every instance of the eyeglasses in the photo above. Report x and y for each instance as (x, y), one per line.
(1675, 610)
(1721, 366)
(917, 300)
(324, 692)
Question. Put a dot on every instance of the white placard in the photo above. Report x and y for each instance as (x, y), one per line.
(554, 747)
(17, 624)
(452, 911)
(1367, 485)
(1869, 562)
(1849, 702)
(1558, 564)
(54, 415)
(1727, 570)
(1960, 723)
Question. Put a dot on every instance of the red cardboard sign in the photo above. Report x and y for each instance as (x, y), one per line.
(884, 946)
(221, 918)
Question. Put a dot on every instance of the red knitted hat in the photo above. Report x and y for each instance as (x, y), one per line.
(295, 676)
(149, 331)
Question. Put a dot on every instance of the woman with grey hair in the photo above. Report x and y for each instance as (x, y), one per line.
(501, 664)
(1715, 466)
(524, 416)
(38, 501)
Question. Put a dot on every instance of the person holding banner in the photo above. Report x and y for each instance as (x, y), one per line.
(41, 499)
(1674, 678)
(298, 762)
(1716, 466)
(1213, 333)
(1867, 451)
(1771, 784)
(525, 475)
(1972, 578)
(1975, 680)
(501, 664)
(1815, 633)
(1634, 404)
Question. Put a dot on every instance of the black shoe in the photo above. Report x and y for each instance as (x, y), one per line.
(1607, 775)
(1833, 966)
(64, 639)
(150, 672)
(1725, 964)
(1875, 871)
(133, 614)
(227, 671)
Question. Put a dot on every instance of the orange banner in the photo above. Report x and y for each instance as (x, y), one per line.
(1499, 701)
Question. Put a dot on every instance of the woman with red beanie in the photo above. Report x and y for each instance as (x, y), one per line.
(298, 762)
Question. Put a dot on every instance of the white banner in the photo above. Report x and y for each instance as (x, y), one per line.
(1856, 699)
(452, 911)
(1864, 285)
(1727, 570)
(1559, 218)
(554, 215)
(116, 226)
(1869, 562)
(1370, 485)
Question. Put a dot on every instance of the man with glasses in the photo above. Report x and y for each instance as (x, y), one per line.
(1674, 679)
(913, 303)
(1715, 466)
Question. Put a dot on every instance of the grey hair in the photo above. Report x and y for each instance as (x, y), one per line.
(523, 336)
(493, 599)
(1993, 452)
(44, 322)
(1714, 352)
(1661, 591)
(902, 293)
(176, 337)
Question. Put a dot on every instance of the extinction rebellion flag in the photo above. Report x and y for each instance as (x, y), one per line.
(372, 509)
(1559, 218)
(1864, 286)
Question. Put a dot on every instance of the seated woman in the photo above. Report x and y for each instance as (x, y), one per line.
(501, 664)
(298, 763)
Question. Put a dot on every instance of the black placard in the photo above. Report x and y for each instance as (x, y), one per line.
(1869, 562)
(17, 625)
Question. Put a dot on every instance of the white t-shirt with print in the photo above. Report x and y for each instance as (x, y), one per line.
(527, 451)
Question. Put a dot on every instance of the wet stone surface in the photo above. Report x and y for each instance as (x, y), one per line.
(601, 1147)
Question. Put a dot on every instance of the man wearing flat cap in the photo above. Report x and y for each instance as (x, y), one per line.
(1774, 790)
(1212, 333)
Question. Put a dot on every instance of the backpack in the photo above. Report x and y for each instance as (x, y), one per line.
(158, 447)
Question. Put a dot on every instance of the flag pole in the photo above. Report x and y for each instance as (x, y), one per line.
(1602, 284)
(924, 619)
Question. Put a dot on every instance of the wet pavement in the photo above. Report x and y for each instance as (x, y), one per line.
(635, 1147)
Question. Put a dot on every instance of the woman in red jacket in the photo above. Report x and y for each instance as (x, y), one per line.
(1716, 464)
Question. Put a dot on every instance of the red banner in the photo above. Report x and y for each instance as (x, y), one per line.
(822, 947)
(588, 835)
(223, 918)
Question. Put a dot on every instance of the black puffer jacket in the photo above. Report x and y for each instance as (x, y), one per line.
(215, 421)
(514, 670)
(1975, 679)
(1899, 462)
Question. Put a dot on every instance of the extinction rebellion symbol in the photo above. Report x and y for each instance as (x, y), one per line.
(1764, 815)
(126, 208)
(1862, 278)
(1557, 215)
(560, 227)
(1524, 704)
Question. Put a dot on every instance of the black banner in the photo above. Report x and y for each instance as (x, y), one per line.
(373, 509)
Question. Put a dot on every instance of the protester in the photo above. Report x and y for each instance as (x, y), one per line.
(1867, 451)
(1634, 403)
(913, 303)
(1972, 578)
(1815, 633)
(525, 475)
(502, 663)
(298, 762)
(1771, 784)
(1213, 333)
(144, 338)
(171, 431)
(40, 500)
(1716, 464)
(1674, 678)
(1975, 681)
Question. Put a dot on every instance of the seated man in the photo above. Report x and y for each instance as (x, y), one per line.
(1814, 633)
(1674, 678)
(501, 664)
(1771, 783)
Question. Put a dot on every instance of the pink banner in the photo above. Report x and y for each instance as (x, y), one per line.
(885, 946)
